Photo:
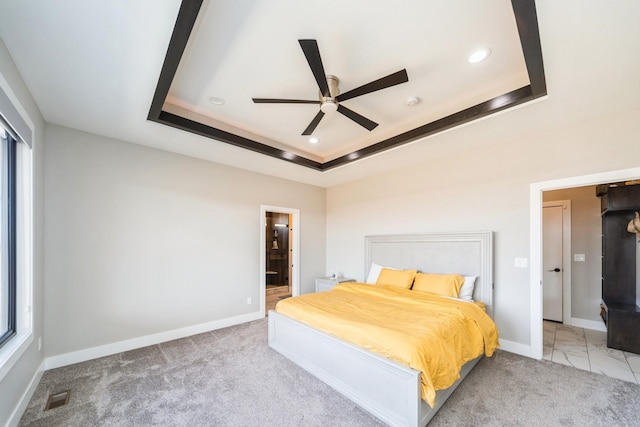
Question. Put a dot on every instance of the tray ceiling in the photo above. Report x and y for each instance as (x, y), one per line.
(224, 53)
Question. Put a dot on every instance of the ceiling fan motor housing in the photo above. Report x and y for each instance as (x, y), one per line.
(328, 104)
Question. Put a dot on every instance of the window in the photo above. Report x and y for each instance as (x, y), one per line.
(16, 230)
(7, 236)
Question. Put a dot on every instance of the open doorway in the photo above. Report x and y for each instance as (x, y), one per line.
(536, 237)
(278, 259)
(279, 255)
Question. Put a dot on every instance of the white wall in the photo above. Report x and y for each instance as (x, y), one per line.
(141, 241)
(478, 178)
(586, 238)
(17, 381)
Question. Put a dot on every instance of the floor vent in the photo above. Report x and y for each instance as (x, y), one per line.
(58, 399)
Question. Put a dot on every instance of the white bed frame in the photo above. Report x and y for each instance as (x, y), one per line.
(385, 388)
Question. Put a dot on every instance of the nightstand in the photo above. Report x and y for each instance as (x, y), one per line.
(327, 283)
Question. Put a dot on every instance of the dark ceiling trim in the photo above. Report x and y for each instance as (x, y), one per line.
(192, 126)
(185, 21)
(492, 106)
(526, 20)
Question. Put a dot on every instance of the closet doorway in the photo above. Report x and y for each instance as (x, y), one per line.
(279, 254)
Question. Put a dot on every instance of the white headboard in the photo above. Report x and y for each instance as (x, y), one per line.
(467, 254)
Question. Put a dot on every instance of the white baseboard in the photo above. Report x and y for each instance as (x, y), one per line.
(596, 325)
(131, 344)
(517, 348)
(14, 419)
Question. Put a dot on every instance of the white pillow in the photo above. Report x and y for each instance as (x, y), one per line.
(466, 291)
(374, 272)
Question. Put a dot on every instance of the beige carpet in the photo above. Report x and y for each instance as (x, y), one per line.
(231, 377)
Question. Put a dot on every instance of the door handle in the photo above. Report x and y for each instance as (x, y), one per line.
(557, 270)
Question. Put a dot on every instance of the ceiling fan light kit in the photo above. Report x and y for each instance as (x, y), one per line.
(328, 104)
(330, 97)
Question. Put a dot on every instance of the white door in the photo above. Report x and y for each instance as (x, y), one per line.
(552, 263)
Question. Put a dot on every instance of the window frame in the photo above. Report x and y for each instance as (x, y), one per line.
(11, 177)
(15, 117)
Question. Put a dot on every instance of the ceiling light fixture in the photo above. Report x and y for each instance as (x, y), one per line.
(479, 55)
(313, 140)
(328, 104)
(216, 101)
(412, 100)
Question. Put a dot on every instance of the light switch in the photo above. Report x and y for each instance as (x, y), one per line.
(578, 257)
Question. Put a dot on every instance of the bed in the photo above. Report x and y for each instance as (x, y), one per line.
(389, 390)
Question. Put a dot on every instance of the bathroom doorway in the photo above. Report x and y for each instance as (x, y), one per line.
(279, 255)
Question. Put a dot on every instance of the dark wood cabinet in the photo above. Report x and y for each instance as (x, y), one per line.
(620, 309)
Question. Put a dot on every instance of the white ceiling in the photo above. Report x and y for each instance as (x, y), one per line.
(94, 66)
(241, 50)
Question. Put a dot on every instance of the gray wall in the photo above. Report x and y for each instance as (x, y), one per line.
(13, 385)
(586, 238)
(464, 180)
(141, 241)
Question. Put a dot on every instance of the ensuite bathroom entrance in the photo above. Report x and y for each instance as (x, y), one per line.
(278, 257)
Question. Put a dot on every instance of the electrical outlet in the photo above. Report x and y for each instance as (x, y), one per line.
(248, 300)
(521, 262)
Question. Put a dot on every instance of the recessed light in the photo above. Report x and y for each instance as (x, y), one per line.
(216, 101)
(313, 140)
(479, 55)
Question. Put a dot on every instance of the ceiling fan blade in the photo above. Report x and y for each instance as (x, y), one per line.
(383, 83)
(283, 101)
(361, 120)
(312, 53)
(314, 123)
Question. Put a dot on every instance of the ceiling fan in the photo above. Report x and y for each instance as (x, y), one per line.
(330, 97)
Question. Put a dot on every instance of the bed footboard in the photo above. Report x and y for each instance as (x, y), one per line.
(386, 389)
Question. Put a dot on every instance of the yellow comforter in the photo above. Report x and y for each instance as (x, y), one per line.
(429, 333)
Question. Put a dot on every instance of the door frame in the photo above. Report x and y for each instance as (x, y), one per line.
(535, 239)
(294, 228)
(566, 256)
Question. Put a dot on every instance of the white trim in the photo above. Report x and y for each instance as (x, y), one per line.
(566, 256)
(13, 99)
(295, 252)
(516, 347)
(596, 325)
(18, 411)
(12, 351)
(535, 238)
(118, 347)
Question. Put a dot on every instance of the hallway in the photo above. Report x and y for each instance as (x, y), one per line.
(586, 349)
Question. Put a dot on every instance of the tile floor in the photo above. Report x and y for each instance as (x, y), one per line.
(587, 349)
